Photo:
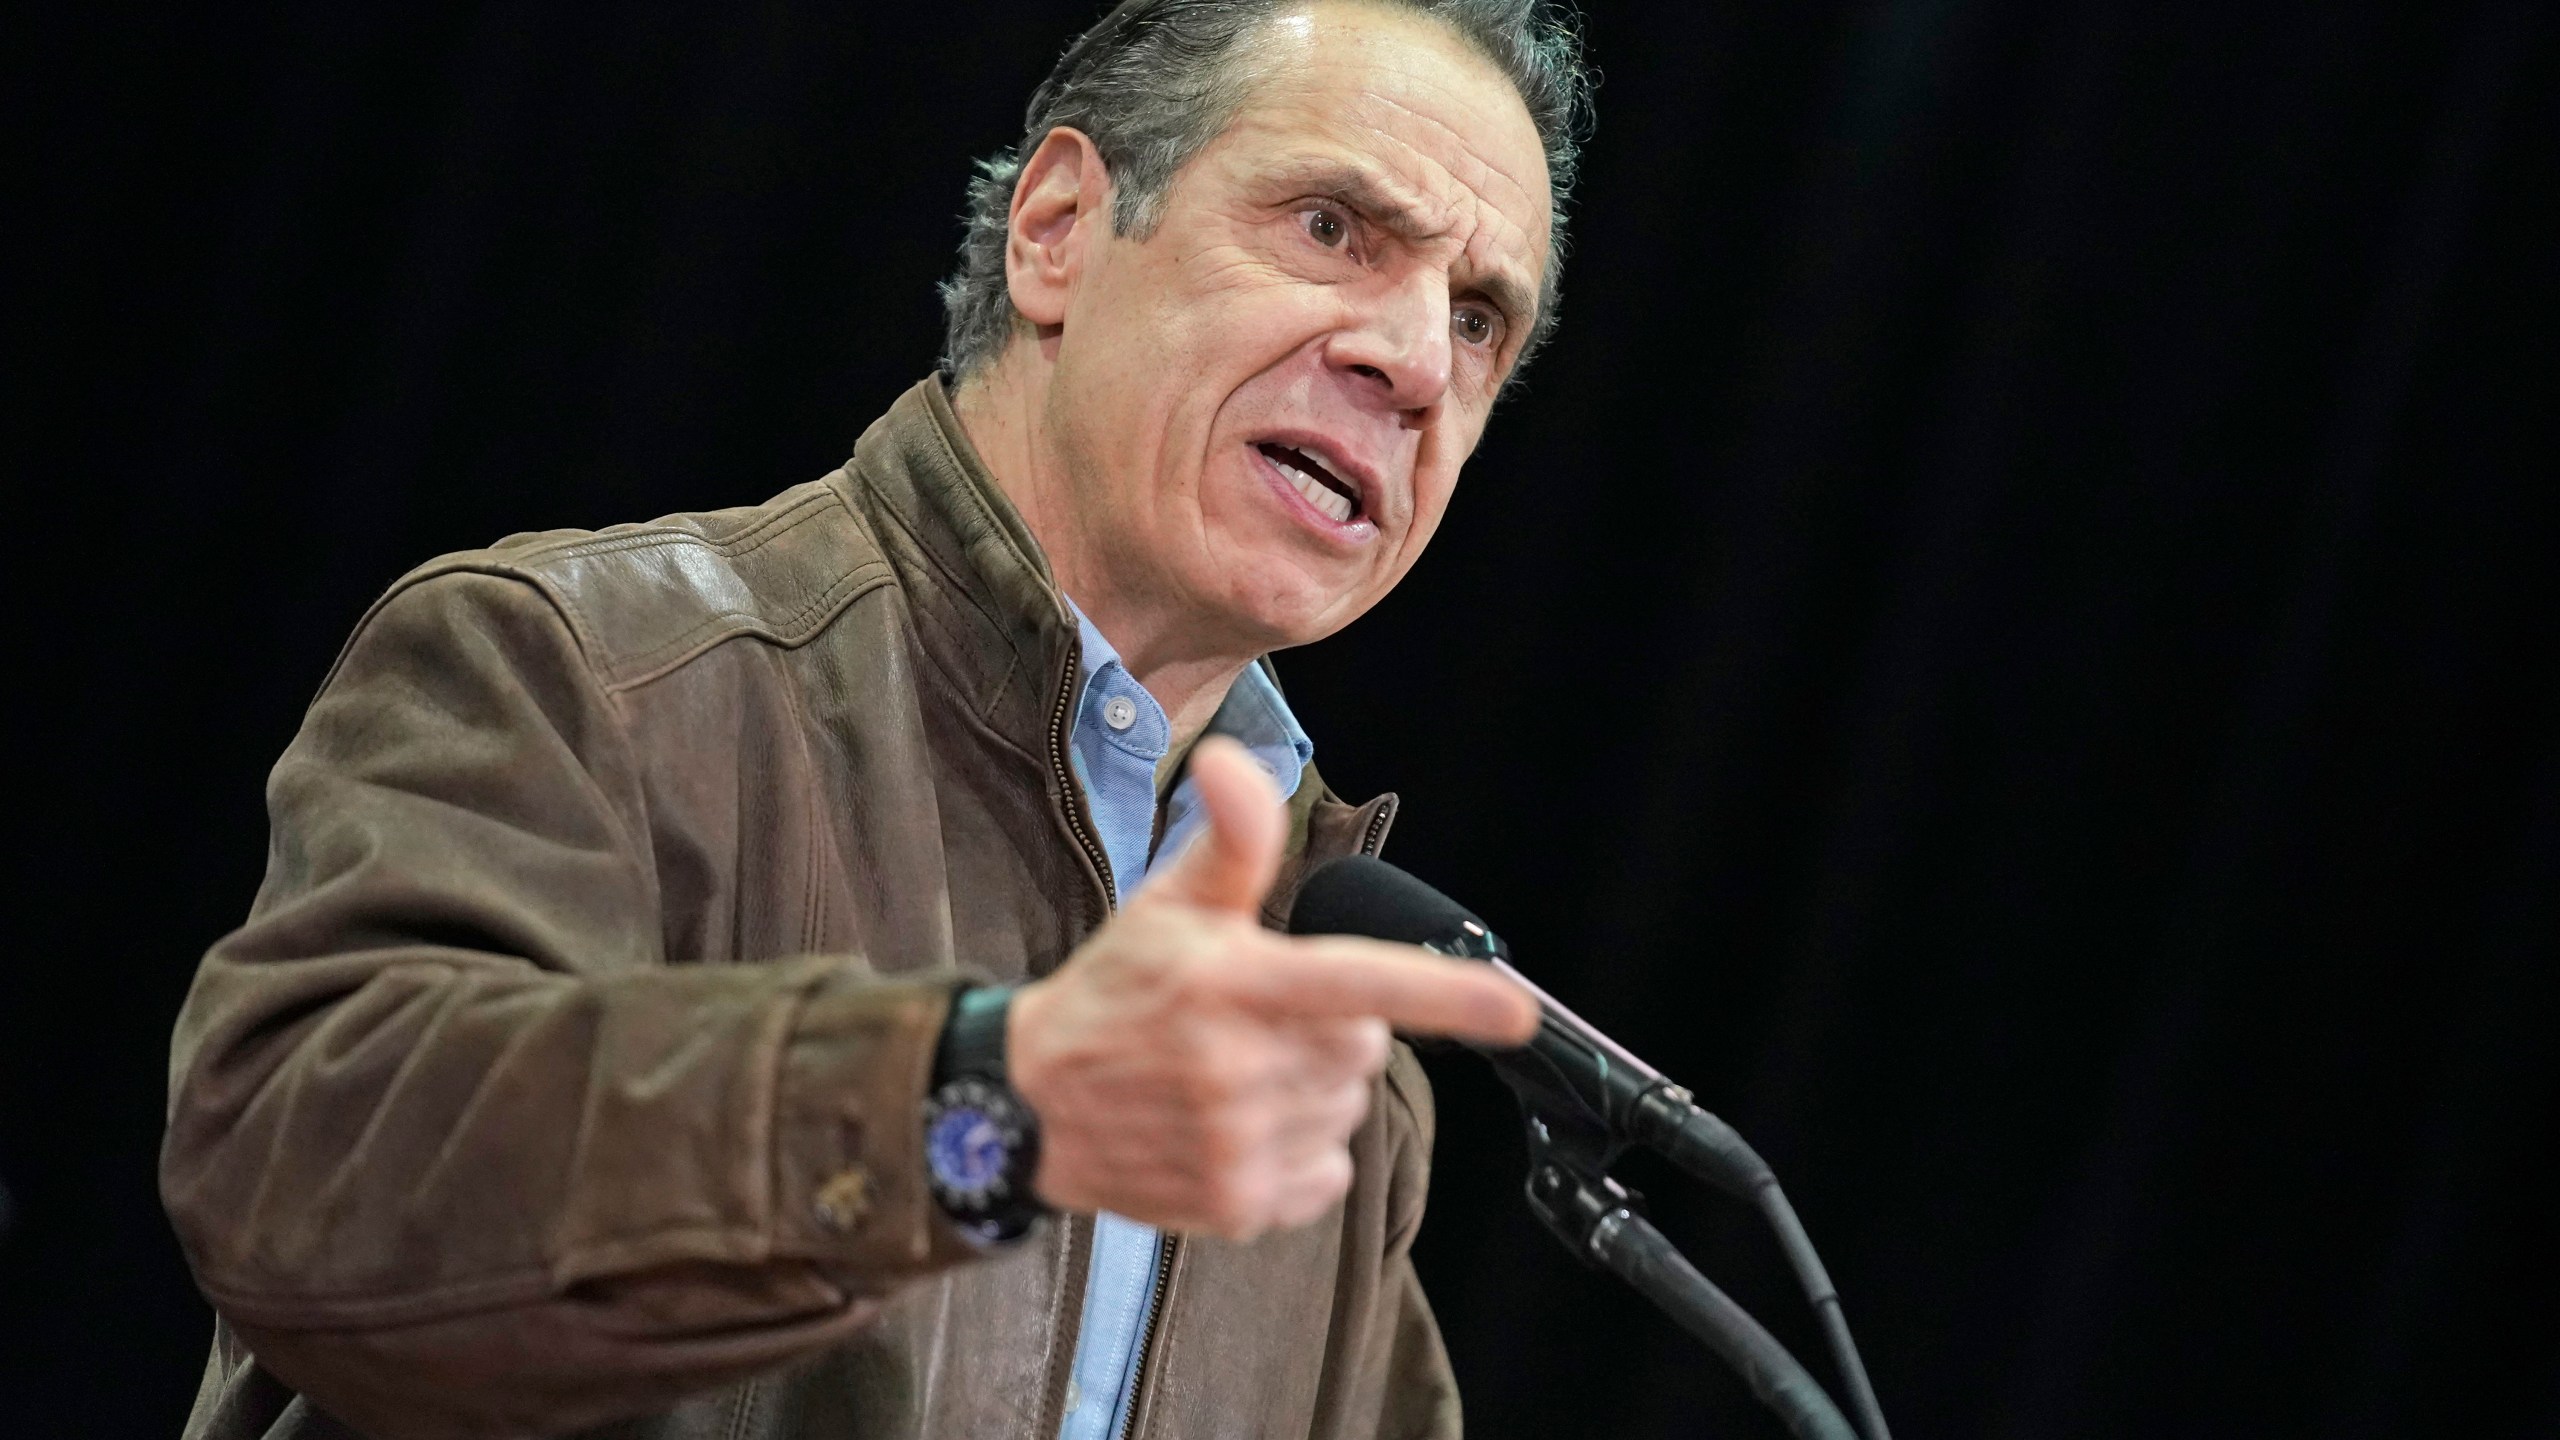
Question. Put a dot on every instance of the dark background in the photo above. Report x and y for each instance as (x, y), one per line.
(2009, 643)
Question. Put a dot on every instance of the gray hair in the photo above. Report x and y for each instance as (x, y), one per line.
(1154, 81)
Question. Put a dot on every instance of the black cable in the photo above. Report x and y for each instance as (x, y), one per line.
(1703, 1145)
(1631, 1248)
(1798, 1248)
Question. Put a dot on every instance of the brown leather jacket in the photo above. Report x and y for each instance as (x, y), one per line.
(568, 1067)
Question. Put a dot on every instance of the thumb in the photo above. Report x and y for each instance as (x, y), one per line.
(1232, 862)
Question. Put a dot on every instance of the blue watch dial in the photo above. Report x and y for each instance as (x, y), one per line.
(981, 1145)
(968, 1150)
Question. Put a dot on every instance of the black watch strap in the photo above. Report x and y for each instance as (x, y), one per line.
(973, 1035)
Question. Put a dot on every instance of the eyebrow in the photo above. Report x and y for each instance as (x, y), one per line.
(1357, 189)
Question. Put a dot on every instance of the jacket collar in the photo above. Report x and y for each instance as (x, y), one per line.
(989, 614)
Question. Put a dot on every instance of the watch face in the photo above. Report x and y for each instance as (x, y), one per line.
(981, 1144)
(967, 1147)
(976, 1137)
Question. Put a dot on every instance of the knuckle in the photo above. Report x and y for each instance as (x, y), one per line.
(1373, 1043)
(1235, 1202)
(1337, 1174)
(1320, 1186)
(1351, 1107)
(1318, 1201)
(1240, 1140)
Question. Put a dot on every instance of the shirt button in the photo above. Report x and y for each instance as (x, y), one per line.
(1075, 1397)
(1119, 712)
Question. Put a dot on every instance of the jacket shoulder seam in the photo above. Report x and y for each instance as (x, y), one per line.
(792, 631)
(619, 672)
(475, 563)
(743, 541)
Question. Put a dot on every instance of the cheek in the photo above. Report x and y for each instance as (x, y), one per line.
(1437, 460)
(1255, 320)
(1432, 489)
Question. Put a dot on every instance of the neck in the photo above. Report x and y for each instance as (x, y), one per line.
(1001, 406)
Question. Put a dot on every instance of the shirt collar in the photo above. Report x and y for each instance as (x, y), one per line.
(1254, 714)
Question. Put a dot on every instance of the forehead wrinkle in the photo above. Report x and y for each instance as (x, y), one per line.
(1496, 273)
(1514, 296)
(1466, 163)
(1530, 198)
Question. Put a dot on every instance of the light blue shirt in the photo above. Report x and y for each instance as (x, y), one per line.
(1120, 735)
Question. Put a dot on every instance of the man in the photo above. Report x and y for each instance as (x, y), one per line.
(695, 957)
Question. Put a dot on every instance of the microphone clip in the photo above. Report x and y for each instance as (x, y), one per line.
(1572, 1193)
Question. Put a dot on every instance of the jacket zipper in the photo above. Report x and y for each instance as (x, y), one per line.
(1165, 1246)
(1072, 794)
(1063, 771)
(1370, 839)
(1376, 833)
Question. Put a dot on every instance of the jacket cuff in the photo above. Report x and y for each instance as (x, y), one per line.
(849, 1168)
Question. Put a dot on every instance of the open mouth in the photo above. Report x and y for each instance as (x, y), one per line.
(1333, 497)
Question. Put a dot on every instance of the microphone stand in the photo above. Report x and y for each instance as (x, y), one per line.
(1580, 1121)
(1596, 1219)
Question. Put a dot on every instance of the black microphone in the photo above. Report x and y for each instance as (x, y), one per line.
(1570, 1074)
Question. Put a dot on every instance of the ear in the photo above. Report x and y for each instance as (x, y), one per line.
(1061, 209)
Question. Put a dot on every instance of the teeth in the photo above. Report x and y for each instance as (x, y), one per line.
(1324, 497)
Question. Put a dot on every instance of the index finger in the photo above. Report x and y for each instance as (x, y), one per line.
(1405, 985)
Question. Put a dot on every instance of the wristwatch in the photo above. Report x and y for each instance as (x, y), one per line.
(981, 1142)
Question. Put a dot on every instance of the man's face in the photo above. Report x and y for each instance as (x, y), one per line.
(1262, 408)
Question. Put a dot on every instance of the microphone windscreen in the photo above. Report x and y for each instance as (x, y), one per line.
(1363, 895)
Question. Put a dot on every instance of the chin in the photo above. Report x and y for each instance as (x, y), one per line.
(1280, 619)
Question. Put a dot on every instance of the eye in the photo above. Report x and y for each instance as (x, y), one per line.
(1474, 326)
(1325, 227)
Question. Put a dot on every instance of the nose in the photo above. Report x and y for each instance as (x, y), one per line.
(1395, 344)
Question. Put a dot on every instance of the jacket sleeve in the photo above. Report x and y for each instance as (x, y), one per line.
(449, 1142)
